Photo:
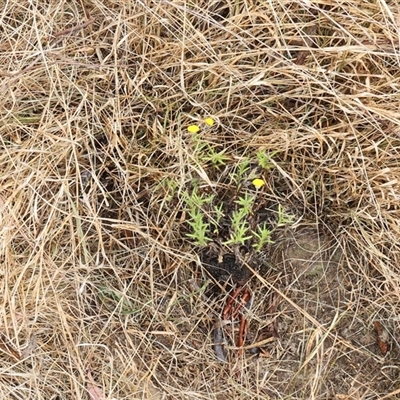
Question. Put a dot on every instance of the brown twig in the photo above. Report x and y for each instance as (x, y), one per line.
(227, 313)
(382, 337)
(231, 312)
(7, 347)
(75, 28)
(242, 333)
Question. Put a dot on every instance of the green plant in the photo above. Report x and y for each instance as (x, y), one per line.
(263, 237)
(196, 201)
(206, 152)
(217, 159)
(239, 230)
(241, 171)
(246, 203)
(284, 218)
(200, 227)
(240, 226)
(115, 300)
(264, 159)
(219, 213)
(204, 217)
(169, 187)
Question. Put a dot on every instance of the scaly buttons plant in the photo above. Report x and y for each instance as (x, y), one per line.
(196, 128)
(209, 121)
(258, 183)
(193, 128)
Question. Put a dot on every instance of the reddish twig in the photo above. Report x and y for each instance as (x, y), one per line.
(242, 333)
(382, 337)
(232, 310)
(241, 296)
(7, 347)
(244, 299)
(227, 311)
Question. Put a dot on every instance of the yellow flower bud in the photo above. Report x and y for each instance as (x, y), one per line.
(193, 128)
(258, 183)
(209, 121)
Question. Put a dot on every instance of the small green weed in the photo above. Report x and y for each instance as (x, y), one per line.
(264, 159)
(205, 152)
(195, 203)
(199, 228)
(240, 226)
(283, 217)
(263, 236)
(206, 212)
(241, 172)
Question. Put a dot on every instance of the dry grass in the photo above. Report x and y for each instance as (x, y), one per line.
(98, 288)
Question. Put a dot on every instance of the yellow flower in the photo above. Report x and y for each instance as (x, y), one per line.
(209, 121)
(258, 183)
(193, 128)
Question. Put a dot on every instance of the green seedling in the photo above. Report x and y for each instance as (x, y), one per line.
(195, 202)
(241, 172)
(246, 203)
(243, 167)
(238, 235)
(283, 218)
(240, 225)
(263, 237)
(169, 186)
(216, 159)
(113, 299)
(205, 152)
(218, 214)
(199, 228)
(244, 211)
(264, 159)
(199, 144)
